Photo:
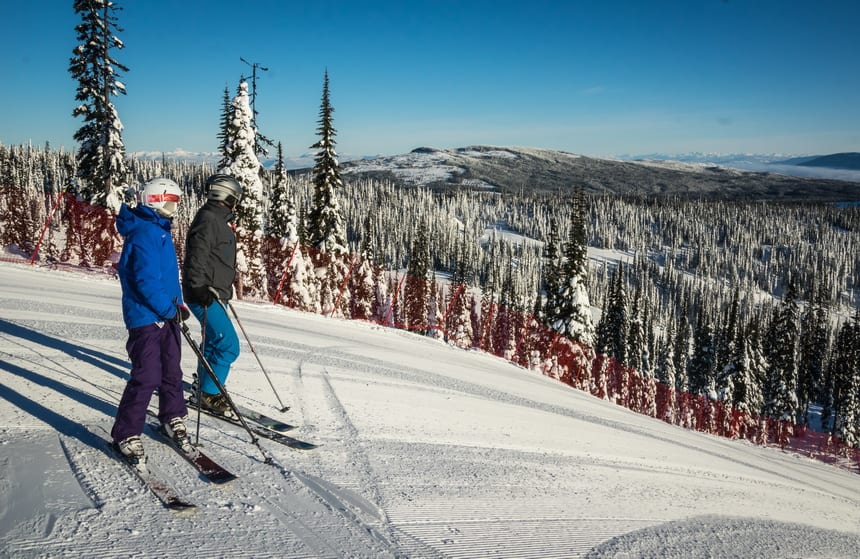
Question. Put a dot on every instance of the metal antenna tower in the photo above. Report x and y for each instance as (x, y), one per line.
(261, 139)
(254, 67)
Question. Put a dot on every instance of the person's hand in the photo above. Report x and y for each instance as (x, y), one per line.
(201, 295)
(182, 314)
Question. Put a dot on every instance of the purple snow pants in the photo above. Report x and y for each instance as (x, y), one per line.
(154, 352)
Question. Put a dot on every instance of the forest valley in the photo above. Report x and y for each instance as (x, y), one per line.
(734, 318)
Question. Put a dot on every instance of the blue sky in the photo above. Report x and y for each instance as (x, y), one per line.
(596, 77)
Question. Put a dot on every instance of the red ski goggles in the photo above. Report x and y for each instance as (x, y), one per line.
(166, 197)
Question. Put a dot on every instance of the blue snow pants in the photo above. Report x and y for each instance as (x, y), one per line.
(154, 351)
(220, 344)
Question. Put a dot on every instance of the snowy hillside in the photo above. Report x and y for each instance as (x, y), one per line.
(524, 170)
(425, 451)
(427, 166)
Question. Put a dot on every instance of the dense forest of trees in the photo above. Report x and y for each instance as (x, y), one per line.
(750, 304)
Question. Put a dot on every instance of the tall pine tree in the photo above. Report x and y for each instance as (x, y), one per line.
(814, 343)
(614, 324)
(846, 382)
(781, 347)
(241, 162)
(101, 156)
(552, 276)
(571, 305)
(282, 223)
(325, 222)
(416, 291)
(458, 325)
(701, 371)
(224, 124)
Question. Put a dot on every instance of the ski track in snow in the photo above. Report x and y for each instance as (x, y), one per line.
(355, 365)
(425, 451)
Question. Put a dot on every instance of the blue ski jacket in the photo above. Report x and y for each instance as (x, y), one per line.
(148, 269)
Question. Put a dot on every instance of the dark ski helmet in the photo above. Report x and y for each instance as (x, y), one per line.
(224, 188)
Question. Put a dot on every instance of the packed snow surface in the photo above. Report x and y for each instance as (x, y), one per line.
(425, 451)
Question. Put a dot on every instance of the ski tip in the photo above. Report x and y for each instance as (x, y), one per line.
(222, 479)
(181, 506)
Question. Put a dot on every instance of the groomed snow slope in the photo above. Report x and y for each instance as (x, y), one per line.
(426, 451)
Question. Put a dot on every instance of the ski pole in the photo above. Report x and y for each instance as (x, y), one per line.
(254, 351)
(199, 382)
(220, 385)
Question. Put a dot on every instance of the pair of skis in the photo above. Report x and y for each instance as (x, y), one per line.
(211, 470)
(255, 423)
(262, 425)
(259, 423)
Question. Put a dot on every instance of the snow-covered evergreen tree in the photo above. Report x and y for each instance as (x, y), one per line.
(725, 336)
(507, 323)
(241, 162)
(740, 384)
(636, 340)
(325, 223)
(700, 373)
(758, 367)
(781, 347)
(666, 376)
(552, 275)
(326, 228)
(101, 155)
(416, 290)
(814, 345)
(282, 219)
(846, 382)
(284, 257)
(614, 324)
(224, 125)
(571, 305)
(681, 349)
(362, 281)
(459, 324)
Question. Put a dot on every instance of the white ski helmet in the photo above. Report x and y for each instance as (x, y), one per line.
(224, 188)
(162, 195)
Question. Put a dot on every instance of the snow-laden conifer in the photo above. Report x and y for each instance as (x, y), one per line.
(571, 305)
(614, 323)
(813, 349)
(326, 228)
(780, 388)
(101, 155)
(242, 163)
(846, 382)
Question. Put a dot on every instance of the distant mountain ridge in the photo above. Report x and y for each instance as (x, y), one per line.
(850, 160)
(517, 169)
(727, 159)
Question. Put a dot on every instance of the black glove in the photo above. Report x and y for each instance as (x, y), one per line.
(201, 295)
(182, 314)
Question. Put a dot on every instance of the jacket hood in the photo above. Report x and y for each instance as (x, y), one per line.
(128, 219)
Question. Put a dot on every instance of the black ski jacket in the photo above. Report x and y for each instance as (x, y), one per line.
(210, 252)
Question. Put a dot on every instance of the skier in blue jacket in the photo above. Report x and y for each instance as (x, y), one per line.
(152, 309)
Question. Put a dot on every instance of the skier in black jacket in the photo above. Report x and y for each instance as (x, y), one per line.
(207, 284)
